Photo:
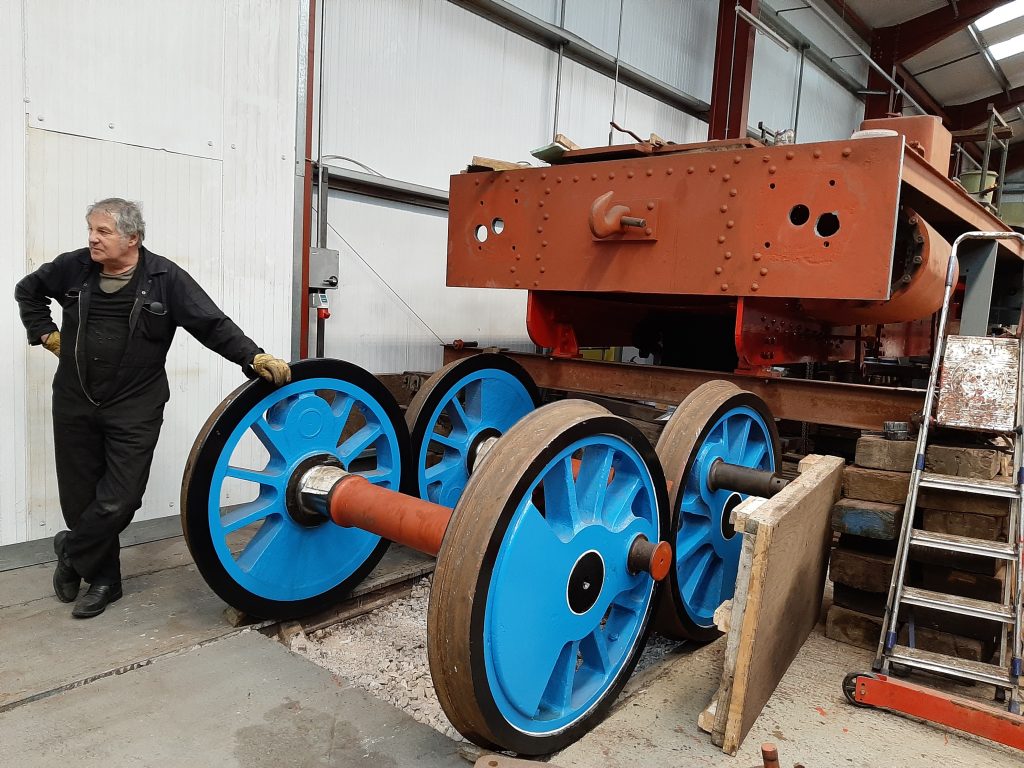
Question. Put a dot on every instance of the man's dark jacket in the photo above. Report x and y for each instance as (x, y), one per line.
(166, 297)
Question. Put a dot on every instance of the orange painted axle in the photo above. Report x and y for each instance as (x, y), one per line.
(355, 502)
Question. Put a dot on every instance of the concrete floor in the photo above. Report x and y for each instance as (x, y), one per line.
(163, 679)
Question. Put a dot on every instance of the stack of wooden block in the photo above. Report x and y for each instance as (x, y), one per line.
(868, 519)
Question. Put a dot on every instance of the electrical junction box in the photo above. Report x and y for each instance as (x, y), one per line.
(324, 265)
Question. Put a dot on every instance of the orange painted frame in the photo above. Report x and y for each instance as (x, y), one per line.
(721, 223)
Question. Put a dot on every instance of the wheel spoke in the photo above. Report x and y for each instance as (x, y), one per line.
(561, 506)
(259, 476)
(380, 476)
(360, 441)
(619, 505)
(445, 470)
(460, 419)
(238, 516)
(755, 452)
(557, 696)
(592, 482)
(693, 537)
(710, 584)
(448, 441)
(342, 410)
(272, 438)
(701, 561)
(739, 445)
(594, 648)
(258, 557)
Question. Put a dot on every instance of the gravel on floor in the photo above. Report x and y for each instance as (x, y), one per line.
(385, 653)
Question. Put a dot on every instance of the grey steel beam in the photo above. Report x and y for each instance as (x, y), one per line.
(384, 188)
(582, 52)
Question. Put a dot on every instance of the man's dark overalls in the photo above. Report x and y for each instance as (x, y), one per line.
(111, 385)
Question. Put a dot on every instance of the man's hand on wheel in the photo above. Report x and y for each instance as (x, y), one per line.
(273, 369)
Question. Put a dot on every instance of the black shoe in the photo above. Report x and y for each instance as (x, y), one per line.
(96, 598)
(66, 581)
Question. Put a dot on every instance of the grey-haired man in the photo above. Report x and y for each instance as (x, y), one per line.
(121, 305)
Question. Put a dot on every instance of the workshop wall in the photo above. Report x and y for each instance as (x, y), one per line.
(193, 114)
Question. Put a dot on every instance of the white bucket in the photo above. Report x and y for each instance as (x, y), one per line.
(972, 181)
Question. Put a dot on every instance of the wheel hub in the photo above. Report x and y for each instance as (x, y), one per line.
(297, 511)
(474, 453)
(728, 529)
(585, 582)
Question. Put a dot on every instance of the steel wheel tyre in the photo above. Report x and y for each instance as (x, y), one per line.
(535, 621)
(256, 549)
(717, 420)
(462, 404)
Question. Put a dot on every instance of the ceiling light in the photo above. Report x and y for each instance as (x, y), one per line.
(1001, 15)
(1008, 48)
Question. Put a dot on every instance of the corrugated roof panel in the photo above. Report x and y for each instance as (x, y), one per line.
(969, 80)
(945, 54)
(883, 13)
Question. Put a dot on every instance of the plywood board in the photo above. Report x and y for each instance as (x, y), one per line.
(778, 593)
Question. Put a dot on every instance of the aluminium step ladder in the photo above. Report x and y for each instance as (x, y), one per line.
(1006, 675)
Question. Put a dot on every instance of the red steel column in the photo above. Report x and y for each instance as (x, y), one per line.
(734, 63)
(883, 51)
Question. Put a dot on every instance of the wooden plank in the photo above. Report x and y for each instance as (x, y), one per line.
(863, 631)
(931, 498)
(870, 519)
(977, 586)
(862, 601)
(979, 463)
(875, 485)
(874, 452)
(853, 627)
(868, 571)
(978, 387)
(964, 524)
(783, 561)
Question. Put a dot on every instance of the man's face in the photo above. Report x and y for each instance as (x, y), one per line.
(106, 244)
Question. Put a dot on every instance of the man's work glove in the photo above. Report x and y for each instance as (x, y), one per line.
(52, 342)
(271, 368)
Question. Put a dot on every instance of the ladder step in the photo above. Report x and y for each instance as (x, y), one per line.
(998, 549)
(965, 606)
(998, 488)
(951, 665)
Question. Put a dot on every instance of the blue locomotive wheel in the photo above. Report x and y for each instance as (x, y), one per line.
(254, 545)
(535, 619)
(456, 409)
(717, 421)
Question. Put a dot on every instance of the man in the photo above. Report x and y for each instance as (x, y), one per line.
(121, 305)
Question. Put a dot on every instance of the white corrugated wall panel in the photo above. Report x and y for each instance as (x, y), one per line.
(415, 88)
(146, 73)
(14, 457)
(182, 205)
(392, 309)
(827, 110)
(587, 109)
(671, 40)
(228, 222)
(545, 10)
